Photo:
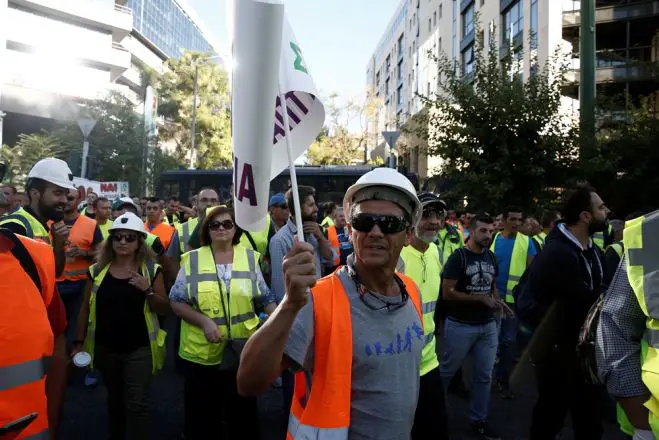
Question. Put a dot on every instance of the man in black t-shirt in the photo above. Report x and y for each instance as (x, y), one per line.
(471, 301)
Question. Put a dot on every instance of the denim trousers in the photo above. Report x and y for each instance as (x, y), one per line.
(481, 340)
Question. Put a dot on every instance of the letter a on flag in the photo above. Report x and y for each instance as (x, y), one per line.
(261, 33)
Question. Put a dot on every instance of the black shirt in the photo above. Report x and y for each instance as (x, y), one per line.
(120, 323)
(475, 275)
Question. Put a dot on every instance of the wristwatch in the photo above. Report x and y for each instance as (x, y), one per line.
(149, 292)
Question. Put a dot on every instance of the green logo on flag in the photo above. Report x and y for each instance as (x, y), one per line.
(299, 61)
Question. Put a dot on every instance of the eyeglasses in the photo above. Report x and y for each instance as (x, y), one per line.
(226, 224)
(388, 224)
(129, 238)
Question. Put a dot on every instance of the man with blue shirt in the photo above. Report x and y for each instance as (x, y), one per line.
(514, 252)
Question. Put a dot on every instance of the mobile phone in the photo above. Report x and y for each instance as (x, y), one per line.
(18, 425)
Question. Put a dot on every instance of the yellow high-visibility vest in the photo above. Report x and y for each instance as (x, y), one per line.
(211, 299)
(425, 269)
(517, 263)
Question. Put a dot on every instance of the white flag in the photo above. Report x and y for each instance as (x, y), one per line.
(306, 113)
(257, 41)
(259, 152)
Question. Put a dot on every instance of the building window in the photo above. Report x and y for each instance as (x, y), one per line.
(513, 21)
(386, 87)
(434, 18)
(429, 25)
(399, 98)
(388, 63)
(410, 51)
(440, 45)
(440, 10)
(482, 2)
(468, 21)
(534, 23)
(377, 78)
(400, 46)
(428, 89)
(399, 72)
(468, 60)
(517, 66)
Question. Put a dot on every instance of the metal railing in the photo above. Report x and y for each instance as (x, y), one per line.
(123, 9)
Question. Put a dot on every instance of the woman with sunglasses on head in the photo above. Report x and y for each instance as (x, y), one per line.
(216, 294)
(118, 325)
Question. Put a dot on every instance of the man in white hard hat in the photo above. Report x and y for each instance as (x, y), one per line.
(358, 336)
(48, 185)
(47, 194)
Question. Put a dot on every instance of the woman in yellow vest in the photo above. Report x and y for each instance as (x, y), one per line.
(118, 325)
(216, 294)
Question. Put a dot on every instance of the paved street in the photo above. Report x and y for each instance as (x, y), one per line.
(85, 418)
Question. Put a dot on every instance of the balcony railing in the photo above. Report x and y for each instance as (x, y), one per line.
(123, 9)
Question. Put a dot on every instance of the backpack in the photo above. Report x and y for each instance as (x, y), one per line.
(529, 309)
(587, 343)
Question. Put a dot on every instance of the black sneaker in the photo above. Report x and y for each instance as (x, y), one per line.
(483, 431)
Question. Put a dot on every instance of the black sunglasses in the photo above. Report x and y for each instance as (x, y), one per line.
(226, 224)
(130, 238)
(388, 224)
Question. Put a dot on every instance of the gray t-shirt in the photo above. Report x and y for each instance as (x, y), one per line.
(386, 356)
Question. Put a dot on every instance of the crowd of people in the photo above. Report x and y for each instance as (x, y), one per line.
(366, 324)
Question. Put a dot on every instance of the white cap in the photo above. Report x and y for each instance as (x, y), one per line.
(52, 170)
(129, 201)
(130, 222)
(386, 178)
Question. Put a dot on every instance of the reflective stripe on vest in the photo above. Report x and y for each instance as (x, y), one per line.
(333, 239)
(27, 338)
(518, 262)
(425, 270)
(209, 296)
(156, 334)
(82, 236)
(184, 230)
(33, 228)
(323, 411)
(642, 261)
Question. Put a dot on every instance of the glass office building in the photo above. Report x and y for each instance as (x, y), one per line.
(167, 25)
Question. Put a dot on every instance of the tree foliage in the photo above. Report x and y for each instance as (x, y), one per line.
(343, 140)
(502, 140)
(213, 133)
(29, 149)
(622, 163)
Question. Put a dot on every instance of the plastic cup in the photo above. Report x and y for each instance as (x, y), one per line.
(82, 359)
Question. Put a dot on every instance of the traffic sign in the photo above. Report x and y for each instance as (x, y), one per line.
(391, 137)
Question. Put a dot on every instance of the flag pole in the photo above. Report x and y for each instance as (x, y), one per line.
(291, 167)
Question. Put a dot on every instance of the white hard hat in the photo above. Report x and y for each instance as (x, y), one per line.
(389, 178)
(52, 170)
(130, 222)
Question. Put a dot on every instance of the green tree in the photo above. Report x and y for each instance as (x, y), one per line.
(502, 140)
(343, 139)
(621, 164)
(116, 144)
(213, 133)
(29, 149)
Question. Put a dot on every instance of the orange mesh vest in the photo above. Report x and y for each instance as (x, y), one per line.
(26, 338)
(333, 238)
(164, 232)
(82, 236)
(324, 414)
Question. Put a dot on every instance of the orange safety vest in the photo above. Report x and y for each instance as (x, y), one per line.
(26, 337)
(82, 236)
(324, 414)
(333, 238)
(164, 232)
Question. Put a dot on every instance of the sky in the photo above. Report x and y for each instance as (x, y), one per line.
(337, 37)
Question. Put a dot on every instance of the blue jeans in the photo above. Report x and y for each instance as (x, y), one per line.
(481, 340)
(507, 349)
